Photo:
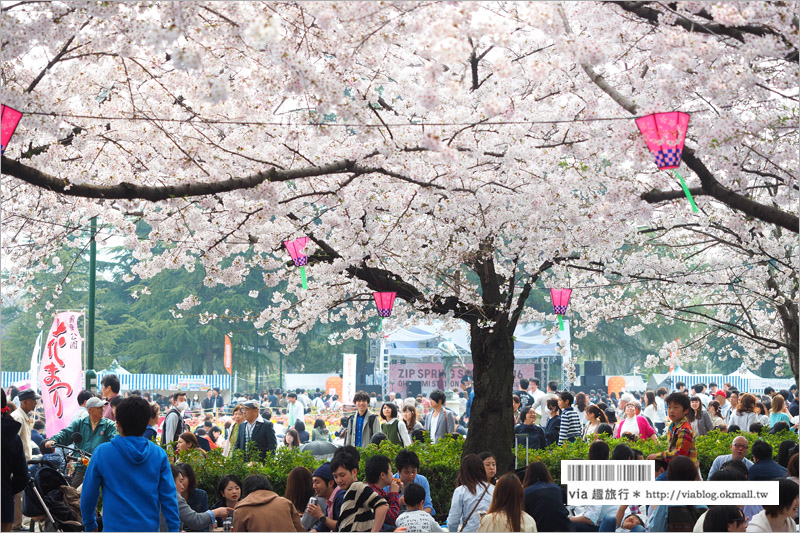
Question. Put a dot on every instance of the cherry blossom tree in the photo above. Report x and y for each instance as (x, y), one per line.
(466, 155)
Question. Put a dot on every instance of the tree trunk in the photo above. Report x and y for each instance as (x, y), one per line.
(491, 426)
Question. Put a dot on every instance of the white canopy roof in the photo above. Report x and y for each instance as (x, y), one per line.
(421, 340)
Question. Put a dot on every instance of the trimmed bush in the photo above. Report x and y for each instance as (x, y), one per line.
(440, 462)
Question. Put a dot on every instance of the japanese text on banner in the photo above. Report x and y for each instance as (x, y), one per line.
(60, 371)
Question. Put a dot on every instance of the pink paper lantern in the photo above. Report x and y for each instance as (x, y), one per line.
(560, 299)
(9, 118)
(385, 303)
(665, 134)
(295, 248)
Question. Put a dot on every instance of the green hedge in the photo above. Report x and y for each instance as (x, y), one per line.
(439, 462)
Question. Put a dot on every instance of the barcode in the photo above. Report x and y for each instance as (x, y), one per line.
(575, 471)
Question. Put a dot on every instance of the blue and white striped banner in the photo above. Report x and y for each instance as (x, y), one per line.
(146, 382)
(741, 383)
(10, 378)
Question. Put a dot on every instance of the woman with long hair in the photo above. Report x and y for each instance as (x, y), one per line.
(195, 497)
(229, 492)
(544, 499)
(702, 422)
(395, 430)
(581, 401)
(594, 417)
(291, 439)
(299, 488)
(410, 419)
(745, 412)
(507, 512)
(650, 408)
(472, 495)
(715, 414)
(779, 411)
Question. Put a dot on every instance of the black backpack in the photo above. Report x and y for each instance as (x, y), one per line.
(178, 428)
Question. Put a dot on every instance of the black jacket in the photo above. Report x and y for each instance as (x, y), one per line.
(544, 502)
(536, 439)
(552, 430)
(14, 466)
(263, 435)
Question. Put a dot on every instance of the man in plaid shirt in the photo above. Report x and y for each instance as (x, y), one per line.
(679, 430)
(378, 471)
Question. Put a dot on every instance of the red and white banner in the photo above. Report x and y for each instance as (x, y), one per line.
(60, 371)
(228, 360)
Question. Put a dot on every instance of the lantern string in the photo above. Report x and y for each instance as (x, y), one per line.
(686, 191)
(328, 124)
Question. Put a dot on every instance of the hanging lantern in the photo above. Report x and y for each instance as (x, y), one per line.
(9, 118)
(560, 299)
(295, 248)
(385, 303)
(665, 135)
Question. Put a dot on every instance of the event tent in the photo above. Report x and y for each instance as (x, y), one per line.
(743, 380)
(421, 341)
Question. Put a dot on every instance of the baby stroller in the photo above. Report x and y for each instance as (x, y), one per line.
(48, 498)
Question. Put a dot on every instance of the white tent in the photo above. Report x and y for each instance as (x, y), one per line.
(421, 341)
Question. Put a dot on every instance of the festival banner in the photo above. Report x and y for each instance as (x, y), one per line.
(228, 354)
(428, 374)
(348, 378)
(60, 371)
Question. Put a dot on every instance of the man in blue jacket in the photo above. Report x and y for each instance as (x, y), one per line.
(135, 476)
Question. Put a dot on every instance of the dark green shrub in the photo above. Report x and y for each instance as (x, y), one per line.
(440, 462)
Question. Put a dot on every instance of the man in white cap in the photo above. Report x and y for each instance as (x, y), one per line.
(94, 431)
(24, 415)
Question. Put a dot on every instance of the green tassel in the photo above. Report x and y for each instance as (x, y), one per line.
(686, 191)
(303, 277)
(560, 323)
(380, 324)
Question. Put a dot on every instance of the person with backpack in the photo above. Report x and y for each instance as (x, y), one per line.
(362, 425)
(173, 423)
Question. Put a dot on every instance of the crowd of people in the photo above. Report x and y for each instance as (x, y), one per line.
(143, 491)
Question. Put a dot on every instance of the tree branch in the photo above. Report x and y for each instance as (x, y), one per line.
(710, 185)
(131, 191)
(651, 15)
(655, 196)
